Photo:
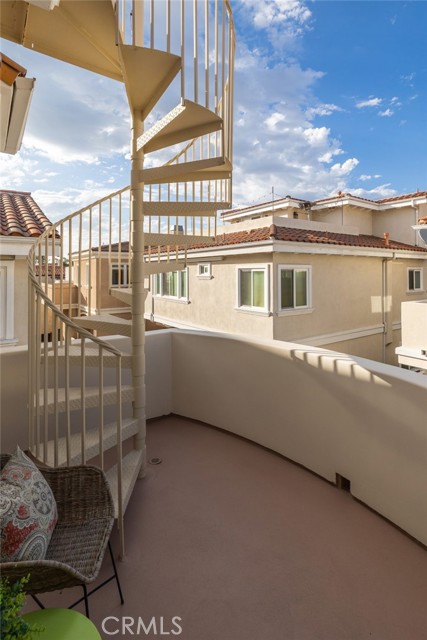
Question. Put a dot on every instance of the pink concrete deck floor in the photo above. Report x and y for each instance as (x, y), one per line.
(241, 544)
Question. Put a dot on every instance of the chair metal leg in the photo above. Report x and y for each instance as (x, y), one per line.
(35, 598)
(115, 573)
(86, 599)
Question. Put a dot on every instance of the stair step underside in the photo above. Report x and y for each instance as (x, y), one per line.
(91, 398)
(147, 74)
(124, 294)
(208, 169)
(106, 322)
(131, 465)
(109, 440)
(175, 239)
(184, 208)
(91, 356)
(163, 266)
(80, 33)
(186, 121)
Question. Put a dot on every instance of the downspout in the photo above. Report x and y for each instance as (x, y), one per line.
(416, 209)
(385, 311)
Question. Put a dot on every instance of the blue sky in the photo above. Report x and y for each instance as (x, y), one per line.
(329, 96)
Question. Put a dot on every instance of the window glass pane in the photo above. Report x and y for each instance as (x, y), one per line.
(286, 288)
(300, 288)
(183, 293)
(245, 288)
(258, 288)
(411, 280)
(417, 279)
(115, 274)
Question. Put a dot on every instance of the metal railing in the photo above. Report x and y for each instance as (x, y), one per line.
(76, 265)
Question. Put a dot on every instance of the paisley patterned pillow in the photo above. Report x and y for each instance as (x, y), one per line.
(28, 512)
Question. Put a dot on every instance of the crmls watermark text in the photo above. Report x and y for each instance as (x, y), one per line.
(136, 626)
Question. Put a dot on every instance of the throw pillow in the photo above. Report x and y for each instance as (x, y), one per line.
(28, 512)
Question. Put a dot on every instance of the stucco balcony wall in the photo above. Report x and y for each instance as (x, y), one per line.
(332, 413)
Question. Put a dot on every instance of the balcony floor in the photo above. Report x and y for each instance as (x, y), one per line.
(242, 544)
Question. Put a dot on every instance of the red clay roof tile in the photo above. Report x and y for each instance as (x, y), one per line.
(20, 215)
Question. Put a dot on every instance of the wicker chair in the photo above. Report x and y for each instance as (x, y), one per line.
(80, 538)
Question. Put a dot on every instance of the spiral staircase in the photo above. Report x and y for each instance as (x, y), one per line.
(175, 59)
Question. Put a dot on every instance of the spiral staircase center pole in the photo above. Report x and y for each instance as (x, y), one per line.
(138, 297)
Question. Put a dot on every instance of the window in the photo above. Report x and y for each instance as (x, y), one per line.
(294, 287)
(415, 279)
(173, 284)
(204, 270)
(252, 288)
(119, 275)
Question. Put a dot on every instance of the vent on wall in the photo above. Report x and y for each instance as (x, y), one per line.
(342, 483)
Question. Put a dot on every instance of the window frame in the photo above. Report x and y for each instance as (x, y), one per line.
(157, 278)
(412, 270)
(307, 268)
(265, 309)
(208, 267)
(126, 272)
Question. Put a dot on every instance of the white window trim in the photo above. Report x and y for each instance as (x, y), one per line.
(180, 299)
(204, 276)
(307, 308)
(421, 288)
(126, 271)
(9, 265)
(265, 310)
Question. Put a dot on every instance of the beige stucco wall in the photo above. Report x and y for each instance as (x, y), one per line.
(346, 215)
(103, 299)
(212, 302)
(346, 295)
(397, 222)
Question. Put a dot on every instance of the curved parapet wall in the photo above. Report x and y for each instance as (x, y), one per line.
(332, 413)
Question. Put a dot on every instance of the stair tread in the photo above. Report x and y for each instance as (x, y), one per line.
(185, 121)
(163, 266)
(131, 464)
(105, 322)
(129, 428)
(184, 208)
(216, 168)
(109, 396)
(91, 356)
(147, 74)
(54, 33)
(175, 239)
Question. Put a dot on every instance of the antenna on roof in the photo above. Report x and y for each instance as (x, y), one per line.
(272, 196)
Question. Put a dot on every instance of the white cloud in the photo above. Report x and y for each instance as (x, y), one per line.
(382, 191)
(345, 168)
(371, 102)
(284, 21)
(364, 177)
(408, 78)
(322, 110)
(387, 113)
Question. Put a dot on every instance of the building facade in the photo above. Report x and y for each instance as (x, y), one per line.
(332, 273)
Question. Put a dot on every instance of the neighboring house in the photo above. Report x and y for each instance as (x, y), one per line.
(21, 222)
(332, 272)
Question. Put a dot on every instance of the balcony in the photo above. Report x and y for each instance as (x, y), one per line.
(240, 531)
